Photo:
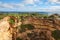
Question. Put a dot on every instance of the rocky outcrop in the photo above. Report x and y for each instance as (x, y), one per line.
(37, 34)
(43, 28)
(41, 31)
(8, 30)
(4, 29)
(51, 24)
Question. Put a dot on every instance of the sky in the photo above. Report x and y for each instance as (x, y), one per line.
(30, 5)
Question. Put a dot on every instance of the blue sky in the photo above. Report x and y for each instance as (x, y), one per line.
(30, 5)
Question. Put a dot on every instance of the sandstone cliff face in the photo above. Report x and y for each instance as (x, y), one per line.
(8, 30)
(4, 29)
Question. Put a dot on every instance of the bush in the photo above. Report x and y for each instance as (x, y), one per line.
(29, 34)
(56, 34)
(12, 21)
(28, 26)
(18, 39)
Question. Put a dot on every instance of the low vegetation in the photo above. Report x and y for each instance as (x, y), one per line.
(12, 21)
(35, 18)
(56, 34)
(25, 27)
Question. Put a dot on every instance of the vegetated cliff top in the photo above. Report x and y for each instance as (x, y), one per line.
(42, 26)
(52, 22)
(47, 21)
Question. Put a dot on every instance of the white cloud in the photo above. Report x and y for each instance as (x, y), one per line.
(55, 7)
(19, 5)
(31, 1)
(55, 1)
(37, 0)
(28, 1)
(49, 9)
(6, 5)
(11, 5)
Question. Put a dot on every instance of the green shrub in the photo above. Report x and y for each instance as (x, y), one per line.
(22, 30)
(56, 34)
(12, 21)
(29, 34)
(28, 26)
(18, 39)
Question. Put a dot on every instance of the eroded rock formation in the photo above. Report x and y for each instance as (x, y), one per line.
(42, 28)
(8, 30)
